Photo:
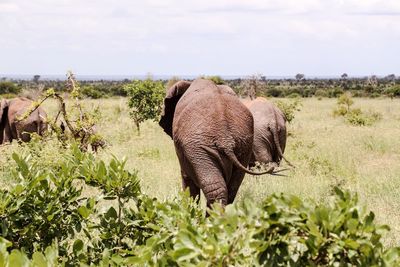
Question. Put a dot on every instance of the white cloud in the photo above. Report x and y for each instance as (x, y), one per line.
(264, 32)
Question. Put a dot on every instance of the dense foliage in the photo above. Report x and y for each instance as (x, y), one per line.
(9, 88)
(47, 219)
(145, 100)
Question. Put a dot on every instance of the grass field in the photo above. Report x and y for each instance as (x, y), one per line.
(325, 150)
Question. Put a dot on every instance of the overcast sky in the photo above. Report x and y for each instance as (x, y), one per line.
(222, 37)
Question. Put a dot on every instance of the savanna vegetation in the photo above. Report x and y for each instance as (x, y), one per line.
(122, 206)
(298, 86)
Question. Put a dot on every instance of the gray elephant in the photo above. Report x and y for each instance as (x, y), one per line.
(213, 136)
(13, 126)
(269, 132)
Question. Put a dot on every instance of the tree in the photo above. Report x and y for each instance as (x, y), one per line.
(253, 85)
(345, 100)
(36, 78)
(390, 77)
(344, 76)
(299, 76)
(145, 100)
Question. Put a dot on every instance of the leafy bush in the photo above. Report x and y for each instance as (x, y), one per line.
(91, 92)
(358, 118)
(289, 108)
(9, 88)
(294, 95)
(393, 91)
(275, 92)
(145, 100)
(354, 116)
(336, 92)
(136, 230)
(321, 93)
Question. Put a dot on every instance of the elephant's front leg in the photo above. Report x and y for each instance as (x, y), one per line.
(189, 183)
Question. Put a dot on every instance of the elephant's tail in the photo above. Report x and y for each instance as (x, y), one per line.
(239, 165)
(278, 145)
(235, 161)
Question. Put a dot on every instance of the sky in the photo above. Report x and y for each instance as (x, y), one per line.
(200, 37)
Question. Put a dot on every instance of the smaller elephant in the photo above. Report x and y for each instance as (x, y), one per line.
(269, 132)
(13, 126)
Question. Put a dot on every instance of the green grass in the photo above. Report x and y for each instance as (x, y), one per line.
(325, 150)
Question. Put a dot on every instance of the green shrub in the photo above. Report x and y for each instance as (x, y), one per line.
(393, 91)
(336, 92)
(145, 100)
(91, 92)
(358, 118)
(137, 230)
(321, 93)
(9, 88)
(354, 116)
(294, 95)
(289, 108)
(274, 92)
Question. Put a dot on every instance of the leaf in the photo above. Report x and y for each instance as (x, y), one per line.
(84, 212)
(111, 213)
(18, 259)
(77, 246)
(39, 260)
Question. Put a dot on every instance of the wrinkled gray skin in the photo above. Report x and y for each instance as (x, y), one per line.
(213, 137)
(269, 132)
(11, 128)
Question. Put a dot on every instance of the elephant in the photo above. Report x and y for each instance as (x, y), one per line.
(212, 131)
(11, 127)
(269, 132)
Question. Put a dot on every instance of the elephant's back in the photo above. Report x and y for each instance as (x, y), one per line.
(263, 109)
(209, 113)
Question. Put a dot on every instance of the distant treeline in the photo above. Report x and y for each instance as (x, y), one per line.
(298, 87)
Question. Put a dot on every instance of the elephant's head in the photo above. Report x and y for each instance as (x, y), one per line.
(171, 99)
(3, 118)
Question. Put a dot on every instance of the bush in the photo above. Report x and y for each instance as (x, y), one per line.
(289, 108)
(393, 91)
(91, 92)
(358, 118)
(294, 95)
(9, 88)
(137, 230)
(336, 92)
(145, 100)
(274, 92)
(321, 93)
(354, 116)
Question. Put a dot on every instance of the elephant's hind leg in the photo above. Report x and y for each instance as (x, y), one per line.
(234, 184)
(213, 185)
(189, 183)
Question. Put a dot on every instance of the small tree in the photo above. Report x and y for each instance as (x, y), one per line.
(346, 101)
(145, 100)
(253, 85)
(36, 78)
(300, 76)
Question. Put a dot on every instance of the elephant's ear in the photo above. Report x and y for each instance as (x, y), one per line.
(3, 117)
(174, 93)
